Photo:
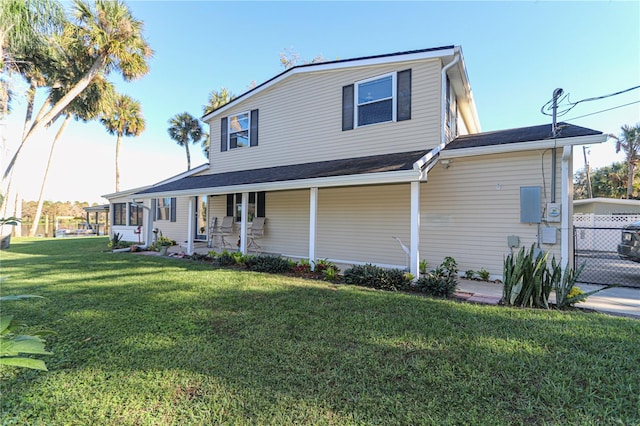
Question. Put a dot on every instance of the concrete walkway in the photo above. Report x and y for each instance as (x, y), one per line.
(622, 301)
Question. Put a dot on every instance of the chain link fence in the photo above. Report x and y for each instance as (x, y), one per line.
(596, 247)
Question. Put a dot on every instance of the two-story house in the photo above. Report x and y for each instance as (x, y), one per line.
(376, 160)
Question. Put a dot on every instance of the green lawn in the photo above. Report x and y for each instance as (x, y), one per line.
(148, 340)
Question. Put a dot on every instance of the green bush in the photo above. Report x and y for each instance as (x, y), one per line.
(265, 263)
(376, 277)
(483, 274)
(442, 281)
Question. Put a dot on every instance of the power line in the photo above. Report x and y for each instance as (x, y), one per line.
(548, 106)
(604, 110)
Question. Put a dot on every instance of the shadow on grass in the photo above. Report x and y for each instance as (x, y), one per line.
(266, 347)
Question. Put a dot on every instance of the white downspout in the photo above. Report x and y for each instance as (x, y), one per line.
(244, 217)
(313, 224)
(443, 80)
(566, 237)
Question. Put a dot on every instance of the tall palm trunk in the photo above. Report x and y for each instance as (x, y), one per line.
(118, 159)
(56, 109)
(186, 147)
(632, 168)
(36, 217)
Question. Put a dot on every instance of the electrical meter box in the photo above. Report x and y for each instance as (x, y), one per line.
(553, 212)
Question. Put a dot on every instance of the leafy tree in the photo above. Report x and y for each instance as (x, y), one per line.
(629, 142)
(123, 118)
(606, 182)
(185, 129)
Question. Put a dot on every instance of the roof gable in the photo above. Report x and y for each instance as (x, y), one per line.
(360, 61)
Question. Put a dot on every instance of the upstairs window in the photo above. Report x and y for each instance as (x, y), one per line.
(239, 130)
(375, 100)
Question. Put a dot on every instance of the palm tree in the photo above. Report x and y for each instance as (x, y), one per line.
(88, 106)
(218, 99)
(123, 118)
(113, 39)
(185, 129)
(629, 142)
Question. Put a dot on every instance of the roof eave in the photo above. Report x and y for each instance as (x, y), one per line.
(401, 176)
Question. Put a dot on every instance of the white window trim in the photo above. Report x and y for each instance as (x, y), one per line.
(248, 113)
(158, 207)
(394, 99)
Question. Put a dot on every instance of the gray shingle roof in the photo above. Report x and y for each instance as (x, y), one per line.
(364, 165)
(521, 134)
(345, 167)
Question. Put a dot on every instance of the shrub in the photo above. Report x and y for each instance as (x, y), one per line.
(375, 277)
(442, 281)
(302, 267)
(470, 274)
(265, 263)
(483, 274)
(224, 259)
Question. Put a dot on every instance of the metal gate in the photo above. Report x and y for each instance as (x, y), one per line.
(597, 249)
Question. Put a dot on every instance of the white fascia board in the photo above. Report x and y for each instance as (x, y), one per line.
(524, 146)
(125, 193)
(403, 176)
(333, 66)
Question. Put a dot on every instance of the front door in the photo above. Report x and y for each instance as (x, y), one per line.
(201, 218)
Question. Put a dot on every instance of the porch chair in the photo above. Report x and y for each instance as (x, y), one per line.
(224, 230)
(210, 230)
(256, 232)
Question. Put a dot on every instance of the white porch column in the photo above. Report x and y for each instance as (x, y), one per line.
(243, 223)
(313, 222)
(148, 234)
(414, 257)
(566, 215)
(191, 226)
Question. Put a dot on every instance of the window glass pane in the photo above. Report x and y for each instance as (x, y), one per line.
(375, 113)
(238, 123)
(251, 207)
(375, 90)
(120, 214)
(164, 207)
(239, 139)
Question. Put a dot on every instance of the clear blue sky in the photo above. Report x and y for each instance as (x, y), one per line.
(516, 54)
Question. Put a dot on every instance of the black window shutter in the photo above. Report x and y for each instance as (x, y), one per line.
(173, 210)
(229, 204)
(404, 95)
(223, 134)
(347, 107)
(153, 210)
(260, 208)
(253, 132)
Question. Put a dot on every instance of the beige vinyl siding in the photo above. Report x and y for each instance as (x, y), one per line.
(300, 120)
(287, 226)
(357, 224)
(469, 209)
(176, 230)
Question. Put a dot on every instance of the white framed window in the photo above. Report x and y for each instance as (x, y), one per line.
(376, 100)
(163, 209)
(238, 132)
